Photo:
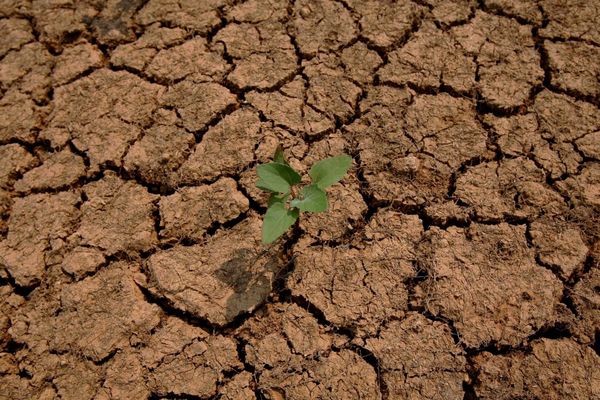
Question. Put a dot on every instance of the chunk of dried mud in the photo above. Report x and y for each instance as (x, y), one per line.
(511, 188)
(578, 20)
(586, 298)
(360, 287)
(82, 261)
(102, 313)
(191, 211)
(117, 217)
(190, 58)
(124, 379)
(103, 113)
(17, 32)
(55, 22)
(525, 10)
(563, 118)
(452, 12)
(15, 387)
(288, 109)
(156, 157)
(559, 245)
(411, 162)
(240, 387)
(168, 340)
(263, 54)
(360, 63)
(446, 128)
(228, 275)
(199, 17)
(14, 161)
(329, 91)
(139, 54)
(447, 212)
(19, 117)
(385, 23)
(197, 369)
(61, 169)
(574, 67)
(215, 156)
(522, 135)
(344, 373)
(322, 26)
(255, 11)
(74, 61)
(555, 369)
(52, 376)
(430, 59)
(472, 280)
(283, 333)
(28, 70)
(37, 229)
(509, 65)
(589, 145)
(583, 189)
(197, 101)
(419, 359)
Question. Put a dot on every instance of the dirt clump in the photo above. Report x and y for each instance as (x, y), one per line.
(322, 26)
(130, 226)
(472, 281)
(555, 369)
(61, 169)
(574, 67)
(295, 358)
(451, 12)
(384, 24)
(578, 21)
(286, 108)
(189, 212)
(217, 280)
(360, 287)
(75, 61)
(512, 188)
(258, 66)
(103, 113)
(17, 32)
(197, 17)
(449, 65)
(586, 298)
(164, 147)
(411, 162)
(508, 64)
(419, 359)
(38, 229)
(215, 156)
(19, 118)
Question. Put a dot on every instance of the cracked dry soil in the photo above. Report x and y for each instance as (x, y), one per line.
(460, 257)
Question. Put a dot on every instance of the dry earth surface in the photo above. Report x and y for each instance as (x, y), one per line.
(460, 258)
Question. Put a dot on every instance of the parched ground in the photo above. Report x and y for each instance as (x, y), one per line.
(460, 257)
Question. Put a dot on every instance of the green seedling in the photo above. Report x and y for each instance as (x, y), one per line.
(286, 202)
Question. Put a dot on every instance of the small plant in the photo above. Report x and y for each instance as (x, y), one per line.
(286, 202)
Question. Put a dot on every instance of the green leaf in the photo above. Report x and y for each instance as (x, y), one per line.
(276, 177)
(277, 220)
(277, 198)
(330, 170)
(312, 198)
(279, 157)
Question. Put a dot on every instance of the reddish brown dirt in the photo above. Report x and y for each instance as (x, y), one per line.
(459, 259)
